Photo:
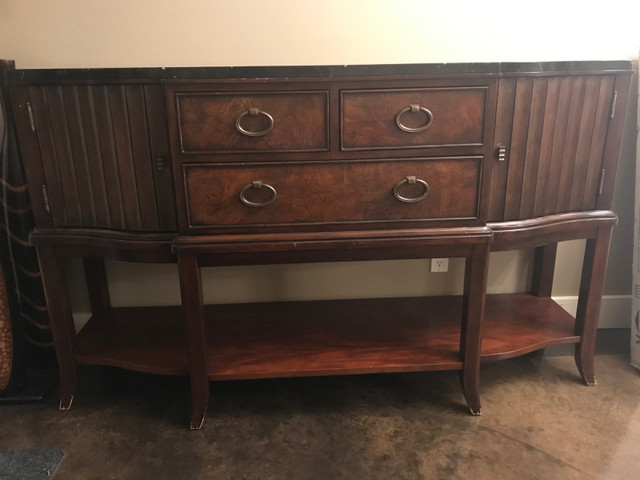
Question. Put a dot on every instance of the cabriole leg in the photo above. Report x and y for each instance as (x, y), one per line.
(61, 320)
(588, 312)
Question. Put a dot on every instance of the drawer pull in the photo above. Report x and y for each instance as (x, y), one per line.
(411, 180)
(414, 108)
(254, 112)
(258, 185)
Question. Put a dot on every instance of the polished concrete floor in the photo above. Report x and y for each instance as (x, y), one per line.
(539, 422)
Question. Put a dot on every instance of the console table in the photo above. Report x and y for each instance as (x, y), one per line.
(230, 166)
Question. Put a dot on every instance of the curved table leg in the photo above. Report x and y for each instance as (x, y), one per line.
(588, 312)
(470, 390)
(191, 291)
(61, 320)
(475, 286)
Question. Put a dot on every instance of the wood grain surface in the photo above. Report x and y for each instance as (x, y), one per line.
(330, 193)
(369, 117)
(207, 122)
(323, 337)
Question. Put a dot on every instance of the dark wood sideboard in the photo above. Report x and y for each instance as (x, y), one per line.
(230, 166)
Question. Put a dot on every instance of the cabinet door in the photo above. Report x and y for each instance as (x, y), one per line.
(554, 130)
(103, 155)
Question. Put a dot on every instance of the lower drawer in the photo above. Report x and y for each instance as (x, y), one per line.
(219, 196)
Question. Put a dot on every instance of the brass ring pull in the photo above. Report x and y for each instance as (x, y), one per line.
(414, 108)
(258, 184)
(254, 112)
(411, 180)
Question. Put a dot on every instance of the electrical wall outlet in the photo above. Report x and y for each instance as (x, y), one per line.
(439, 264)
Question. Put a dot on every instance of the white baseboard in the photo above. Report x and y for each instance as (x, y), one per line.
(615, 311)
(80, 319)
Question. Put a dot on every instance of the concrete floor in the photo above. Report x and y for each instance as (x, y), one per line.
(539, 422)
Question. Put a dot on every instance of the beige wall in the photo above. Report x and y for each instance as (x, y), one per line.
(98, 33)
(119, 33)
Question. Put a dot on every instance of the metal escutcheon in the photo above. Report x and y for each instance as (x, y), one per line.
(254, 112)
(414, 108)
(258, 184)
(501, 152)
(404, 181)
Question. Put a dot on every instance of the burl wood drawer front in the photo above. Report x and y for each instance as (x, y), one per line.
(427, 117)
(304, 193)
(212, 123)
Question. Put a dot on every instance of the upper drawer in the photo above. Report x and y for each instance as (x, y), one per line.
(231, 122)
(413, 118)
(339, 192)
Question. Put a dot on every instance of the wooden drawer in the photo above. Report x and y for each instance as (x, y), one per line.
(314, 193)
(230, 122)
(413, 118)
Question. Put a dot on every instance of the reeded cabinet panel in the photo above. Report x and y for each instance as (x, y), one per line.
(104, 156)
(553, 129)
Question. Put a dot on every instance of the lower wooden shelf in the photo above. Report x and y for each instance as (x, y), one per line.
(519, 323)
(144, 339)
(335, 337)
